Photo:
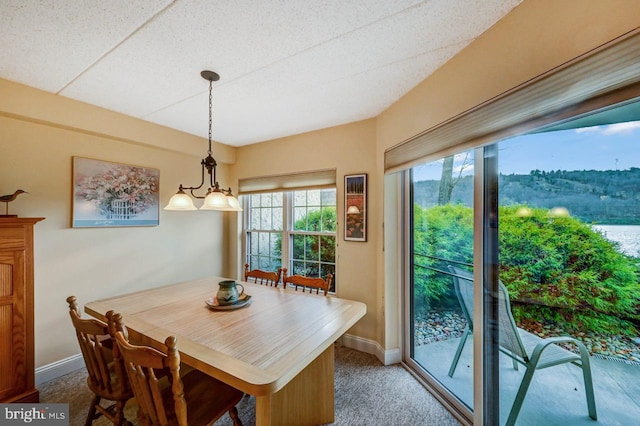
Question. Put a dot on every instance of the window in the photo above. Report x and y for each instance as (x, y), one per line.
(264, 219)
(294, 230)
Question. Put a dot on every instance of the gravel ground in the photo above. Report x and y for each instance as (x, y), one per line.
(435, 326)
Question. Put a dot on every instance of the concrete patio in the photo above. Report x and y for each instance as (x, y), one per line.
(556, 395)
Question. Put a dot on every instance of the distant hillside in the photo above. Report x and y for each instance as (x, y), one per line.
(593, 196)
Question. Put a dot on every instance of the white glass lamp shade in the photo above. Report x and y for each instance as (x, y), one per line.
(180, 202)
(215, 200)
(234, 203)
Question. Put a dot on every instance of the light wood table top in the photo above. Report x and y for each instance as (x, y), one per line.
(257, 349)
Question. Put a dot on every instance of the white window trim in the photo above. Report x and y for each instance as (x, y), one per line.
(287, 231)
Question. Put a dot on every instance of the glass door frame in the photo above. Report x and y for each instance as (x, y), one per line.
(457, 408)
(485, 262)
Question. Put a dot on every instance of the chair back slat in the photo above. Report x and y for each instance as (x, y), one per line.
(259, 276)
(143, 394)
(96, 364)
(148, 394)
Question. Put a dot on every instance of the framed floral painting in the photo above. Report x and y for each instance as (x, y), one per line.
(355, 207)
(112, 194)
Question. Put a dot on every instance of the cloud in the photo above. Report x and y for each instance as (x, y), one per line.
(611, 129)
(588, 129)
(621, 128)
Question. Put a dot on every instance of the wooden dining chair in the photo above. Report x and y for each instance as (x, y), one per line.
(308, 283)
(164, 396)
(107, 379)
(263, 277)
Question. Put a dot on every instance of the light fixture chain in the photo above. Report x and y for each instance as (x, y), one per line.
(210, 114)
(216, 198)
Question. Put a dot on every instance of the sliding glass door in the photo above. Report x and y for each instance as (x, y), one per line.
(563, 204)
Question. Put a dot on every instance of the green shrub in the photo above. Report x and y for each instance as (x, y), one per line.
(555, 268)
(314, 248)
(440, 232)
(563, 264)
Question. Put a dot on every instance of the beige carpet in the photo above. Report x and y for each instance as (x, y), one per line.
(367, 393)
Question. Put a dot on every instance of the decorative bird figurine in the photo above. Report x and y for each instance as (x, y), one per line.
(6, 199)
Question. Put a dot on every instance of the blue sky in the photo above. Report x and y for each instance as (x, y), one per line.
(611, 147)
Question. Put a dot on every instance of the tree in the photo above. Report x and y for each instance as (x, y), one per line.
(447, 181)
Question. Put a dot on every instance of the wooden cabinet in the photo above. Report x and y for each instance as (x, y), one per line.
(17, 369)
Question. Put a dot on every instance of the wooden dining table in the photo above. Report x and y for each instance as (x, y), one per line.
(279, 347)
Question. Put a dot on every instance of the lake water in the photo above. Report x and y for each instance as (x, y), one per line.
(627, 235)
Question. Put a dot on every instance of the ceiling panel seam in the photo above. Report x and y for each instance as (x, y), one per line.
(120, 43)
(329, 40)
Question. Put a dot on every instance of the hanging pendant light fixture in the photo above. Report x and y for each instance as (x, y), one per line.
(215, 198)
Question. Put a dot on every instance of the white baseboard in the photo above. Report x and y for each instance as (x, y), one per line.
(58, 368)
(387, 357)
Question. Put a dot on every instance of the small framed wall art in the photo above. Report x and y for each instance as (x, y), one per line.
(109, 194)
(355, 207)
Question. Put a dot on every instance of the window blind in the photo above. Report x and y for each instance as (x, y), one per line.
(289, 182)
(583, 84)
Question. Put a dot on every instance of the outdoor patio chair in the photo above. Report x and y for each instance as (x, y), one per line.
(521, 346)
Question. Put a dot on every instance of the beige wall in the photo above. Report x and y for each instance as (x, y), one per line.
(36, 146)
(39, 133)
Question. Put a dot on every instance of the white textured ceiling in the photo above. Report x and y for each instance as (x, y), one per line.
(286, 66)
